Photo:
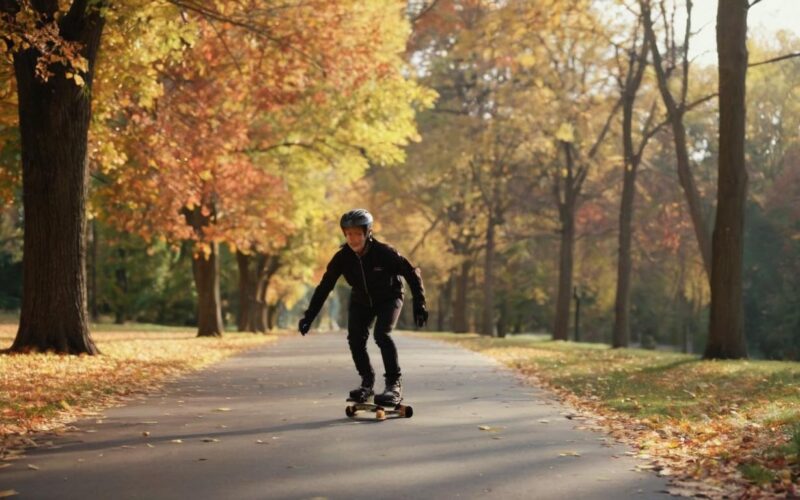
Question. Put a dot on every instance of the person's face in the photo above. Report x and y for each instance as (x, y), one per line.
(356, 239)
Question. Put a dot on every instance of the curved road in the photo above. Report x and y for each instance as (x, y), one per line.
(271, 424)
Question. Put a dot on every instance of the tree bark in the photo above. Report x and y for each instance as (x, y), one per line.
(487, 326)
(566, 213)
(245, 292)
(460, 321)
(622, 304)
(565, 268)
(121, 278)
(726, 327)
(206, 278)
(54, 119)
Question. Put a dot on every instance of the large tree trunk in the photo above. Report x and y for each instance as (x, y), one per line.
(206, 278)
(565, 264)
(460, 321)
(726, 327)
(245, 292)
(566, 213)
(622, 304)
(54, 119)
(487, 326)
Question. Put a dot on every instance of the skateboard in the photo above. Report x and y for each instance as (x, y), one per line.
(381, 412)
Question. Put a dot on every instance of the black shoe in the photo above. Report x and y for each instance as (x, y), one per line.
(363, 393)
(392, 394)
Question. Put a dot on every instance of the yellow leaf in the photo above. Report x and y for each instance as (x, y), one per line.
(526, 60)
(565, 132)
(8, 493)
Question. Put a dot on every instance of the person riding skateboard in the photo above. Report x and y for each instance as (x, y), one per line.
(373, 270)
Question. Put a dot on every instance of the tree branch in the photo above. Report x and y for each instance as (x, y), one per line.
(774, 59)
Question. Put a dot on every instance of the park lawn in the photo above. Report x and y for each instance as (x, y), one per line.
(42, 392)
(713, 426)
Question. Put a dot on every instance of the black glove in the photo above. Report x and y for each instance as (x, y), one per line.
(420, 314)
(304, 325)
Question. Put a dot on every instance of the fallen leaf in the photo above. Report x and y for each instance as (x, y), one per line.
(33, 467)
(177, 441)
(223, 409)
(8, 493)
(544, 421)
(569, 454)
(150, 445)
(145, 434)
(210, 440)
(489, 428)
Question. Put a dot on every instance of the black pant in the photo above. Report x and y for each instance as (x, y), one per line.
(359, 319)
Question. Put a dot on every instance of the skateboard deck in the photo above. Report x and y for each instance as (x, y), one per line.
(381, 412)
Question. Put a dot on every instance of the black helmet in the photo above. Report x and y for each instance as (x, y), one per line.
(358, 217)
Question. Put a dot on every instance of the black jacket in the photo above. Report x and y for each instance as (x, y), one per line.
(374, 276)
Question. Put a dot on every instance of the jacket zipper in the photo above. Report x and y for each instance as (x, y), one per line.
(364, 277)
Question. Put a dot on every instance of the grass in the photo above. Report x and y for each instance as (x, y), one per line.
(40, 392)
(725, 422)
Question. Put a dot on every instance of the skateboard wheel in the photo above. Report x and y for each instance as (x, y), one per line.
(350, 411)
(380, 414)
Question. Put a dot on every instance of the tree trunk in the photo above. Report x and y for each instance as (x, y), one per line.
(93, 312)
(621, 334)
(622, 304)
(676, 112)
(445, 298)
(460, 321)
(272, 315)
(689, 186)
(487, 327)
(54, 119)
(726, 327)
(566, 214)
(206, 278)
(565, 254)
(245, 292)
(121, 278)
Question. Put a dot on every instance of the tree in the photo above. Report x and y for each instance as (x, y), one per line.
(675, 58)
(726, 326)
(55, 115)
(629, 78)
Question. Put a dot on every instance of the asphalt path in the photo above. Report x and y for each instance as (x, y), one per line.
(270, 423)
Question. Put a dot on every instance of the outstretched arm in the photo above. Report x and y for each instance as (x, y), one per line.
(324, 288)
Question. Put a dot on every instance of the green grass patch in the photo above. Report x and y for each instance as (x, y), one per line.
(757, 474)
(652, 384)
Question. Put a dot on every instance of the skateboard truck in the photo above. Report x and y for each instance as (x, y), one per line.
(381, 412)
